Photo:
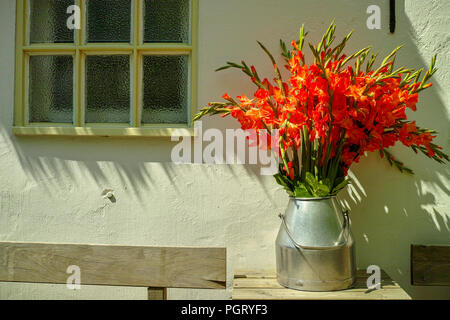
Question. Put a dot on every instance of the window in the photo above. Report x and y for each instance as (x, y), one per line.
(129, 70)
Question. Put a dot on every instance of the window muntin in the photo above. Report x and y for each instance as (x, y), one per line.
(139, 95)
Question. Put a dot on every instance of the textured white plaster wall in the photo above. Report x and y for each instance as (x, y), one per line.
(50, 188)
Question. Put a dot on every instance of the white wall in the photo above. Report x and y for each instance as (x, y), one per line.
(51, 188)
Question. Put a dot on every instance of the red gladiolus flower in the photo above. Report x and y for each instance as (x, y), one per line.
(332, 111)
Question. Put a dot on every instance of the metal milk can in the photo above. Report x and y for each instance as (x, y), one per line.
(314, 246)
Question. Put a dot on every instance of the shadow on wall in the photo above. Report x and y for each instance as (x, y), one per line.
(389, 210)
(102, 161)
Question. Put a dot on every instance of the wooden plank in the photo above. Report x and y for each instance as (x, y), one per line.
(255, 274)
(263, 285)
(289, 294)
(267, 280)
(157, 293)
(360, 274)
(115, 265)
(252, 283)
(430, 265)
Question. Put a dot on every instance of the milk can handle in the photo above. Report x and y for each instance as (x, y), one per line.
(345, 228)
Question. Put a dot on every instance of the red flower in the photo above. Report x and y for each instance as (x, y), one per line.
(261, 94)
(406, 133)
(337, 112)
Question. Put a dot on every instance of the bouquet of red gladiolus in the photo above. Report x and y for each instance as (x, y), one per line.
(331, 112)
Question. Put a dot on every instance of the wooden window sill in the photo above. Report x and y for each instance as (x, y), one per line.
(103, 131)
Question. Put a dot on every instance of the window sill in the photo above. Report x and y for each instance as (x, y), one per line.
(103, 132)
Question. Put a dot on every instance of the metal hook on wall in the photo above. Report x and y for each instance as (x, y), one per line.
(391, 16)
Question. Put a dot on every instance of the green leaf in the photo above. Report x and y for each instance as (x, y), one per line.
(279, 180)
(317, 189)
(326, 182)
(341, 186)
(394, 162)
(301, 191)
(311, 181)
(223, 68)
(284, 182)
(339, 180)
(322, 190)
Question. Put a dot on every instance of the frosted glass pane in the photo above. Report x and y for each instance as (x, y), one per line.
(51, 89)
(165, 89)
(166, 21)
(108, 88)
(109, 20)
(48, 21)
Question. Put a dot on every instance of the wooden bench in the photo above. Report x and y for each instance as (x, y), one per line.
(264, 286)
(156, 268)
(430, 265)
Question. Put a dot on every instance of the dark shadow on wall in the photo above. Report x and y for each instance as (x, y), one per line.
(389, 210)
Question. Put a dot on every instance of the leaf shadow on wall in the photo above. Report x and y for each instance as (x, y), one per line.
(390, 210)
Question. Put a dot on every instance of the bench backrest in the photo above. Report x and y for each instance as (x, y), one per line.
(114, 265)
(430, 265)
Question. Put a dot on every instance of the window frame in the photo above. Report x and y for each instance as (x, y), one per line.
(79, 49)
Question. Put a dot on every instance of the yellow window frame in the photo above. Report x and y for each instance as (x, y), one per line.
(79, 49)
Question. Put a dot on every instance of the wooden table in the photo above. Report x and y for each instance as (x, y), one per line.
(264, 286)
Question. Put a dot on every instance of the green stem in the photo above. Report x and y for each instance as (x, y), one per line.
(337, 159)
(295, 162)
(317, 158)
(283, 154)
(306, 149)
(303, 150)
